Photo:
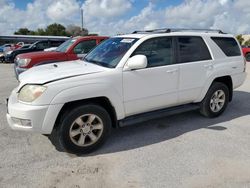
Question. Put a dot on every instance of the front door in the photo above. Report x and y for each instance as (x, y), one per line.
(156, 86)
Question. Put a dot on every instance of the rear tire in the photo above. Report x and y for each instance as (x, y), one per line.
(215, 101)
(84, 129)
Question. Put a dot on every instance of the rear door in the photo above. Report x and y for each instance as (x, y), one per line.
(195, 63)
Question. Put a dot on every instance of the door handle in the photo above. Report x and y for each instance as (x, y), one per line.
(234, 67)
(171, 71)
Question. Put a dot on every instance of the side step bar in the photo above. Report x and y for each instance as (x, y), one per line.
(135, 119)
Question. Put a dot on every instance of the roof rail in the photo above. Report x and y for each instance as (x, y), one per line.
(169, 30)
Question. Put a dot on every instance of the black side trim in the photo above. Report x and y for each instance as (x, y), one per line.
(157, 114)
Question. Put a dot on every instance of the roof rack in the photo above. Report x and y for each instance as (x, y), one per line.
(170, 30)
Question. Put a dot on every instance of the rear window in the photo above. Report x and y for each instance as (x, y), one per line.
(191, 49)
(228, 45)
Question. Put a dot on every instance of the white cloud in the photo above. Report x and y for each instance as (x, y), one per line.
(59, 10)
(38, 14)
(105, 8)
(110, 17)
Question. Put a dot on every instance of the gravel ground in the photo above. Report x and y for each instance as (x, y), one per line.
(185, 150)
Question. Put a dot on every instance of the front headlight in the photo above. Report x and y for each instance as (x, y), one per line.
(23, 62)
(29, 93)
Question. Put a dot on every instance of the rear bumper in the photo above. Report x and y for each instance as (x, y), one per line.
(238, 79)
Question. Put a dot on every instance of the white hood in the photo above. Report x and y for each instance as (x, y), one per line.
(56, 71)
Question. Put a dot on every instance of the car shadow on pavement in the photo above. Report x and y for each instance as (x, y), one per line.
(166, 128)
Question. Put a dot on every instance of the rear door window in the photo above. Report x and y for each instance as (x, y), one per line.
(228, 45)
(191, 49)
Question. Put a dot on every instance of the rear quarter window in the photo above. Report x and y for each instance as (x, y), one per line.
(228, 45)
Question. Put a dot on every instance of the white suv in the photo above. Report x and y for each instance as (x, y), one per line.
(125, 80)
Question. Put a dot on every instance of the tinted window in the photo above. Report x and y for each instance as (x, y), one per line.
(84, 46)
(66, 45)
(192, 49)
(228, 45)
(55, 43)
(42, 45)
(158, 51)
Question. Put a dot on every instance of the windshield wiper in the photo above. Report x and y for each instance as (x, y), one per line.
(94, 62)
(98, 63)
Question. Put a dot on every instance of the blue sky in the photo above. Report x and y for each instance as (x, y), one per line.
(139, 4)
(110, 17)
(21, 4)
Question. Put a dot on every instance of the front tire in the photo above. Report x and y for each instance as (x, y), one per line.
(215, 101)
(84, 129)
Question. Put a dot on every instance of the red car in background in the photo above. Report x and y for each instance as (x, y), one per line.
(246, 52)
(72, 49)
(18, 45)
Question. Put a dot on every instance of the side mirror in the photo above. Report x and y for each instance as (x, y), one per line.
(137, 62)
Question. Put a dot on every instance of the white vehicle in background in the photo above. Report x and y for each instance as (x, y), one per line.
(3, 49)
(125, 80)
(50, 49)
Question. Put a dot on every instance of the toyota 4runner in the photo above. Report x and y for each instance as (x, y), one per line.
(125, 80)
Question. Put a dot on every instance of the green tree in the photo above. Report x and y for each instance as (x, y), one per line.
(40, 31)
(56, 30)
(240, 39)
(22, 31)
(247, 43)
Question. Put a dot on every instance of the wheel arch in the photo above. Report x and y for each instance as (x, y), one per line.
(227, 80)
(102, 101)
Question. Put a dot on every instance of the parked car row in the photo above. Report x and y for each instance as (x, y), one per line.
(124, 80)
(71, 49)
(37, 46)
(7, 48)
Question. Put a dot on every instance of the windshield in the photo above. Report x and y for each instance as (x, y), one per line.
(25, 46)
(110, 52)
(65, 46)
(34, 44)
